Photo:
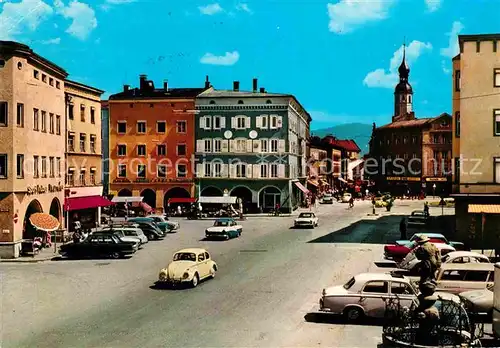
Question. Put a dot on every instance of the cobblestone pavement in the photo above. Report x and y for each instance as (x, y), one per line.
(268, 284)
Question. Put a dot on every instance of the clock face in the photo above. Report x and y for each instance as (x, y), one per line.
(228, 134)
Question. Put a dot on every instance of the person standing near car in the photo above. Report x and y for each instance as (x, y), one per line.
(403, 228)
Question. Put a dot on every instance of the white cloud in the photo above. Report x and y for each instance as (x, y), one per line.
(54, 41)
(453, 48)
(433, 5)
(82, 16)
(211, 9)
(17, 17)
(388, 79)
(347, 15)
(244, 7)
(446, 68)
(230, 58)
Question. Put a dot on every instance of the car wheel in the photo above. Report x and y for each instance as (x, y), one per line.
(115, 255)
(195, 280)
(239, 233)
(151, 236)
(353, 314)
(212, 272)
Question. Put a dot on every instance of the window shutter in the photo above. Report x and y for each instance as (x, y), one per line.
(248, 122)
(224, 170)
(232, 145)
(281, 170)
(202, 122)
(256, 171)
(256, 146)
(258, 122)
(266, 118)
(222, 122)
(281, 146)
(249, 145)
(224, 146)
(200, 145)
(232, 170)
(233, 122)
(279, 121)
(199, 170)
(249, 171)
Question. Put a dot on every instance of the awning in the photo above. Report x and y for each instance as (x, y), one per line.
(484, 208)
(119, 199)
(181, 200)
(301, 187)
(147, 208)
(44, 222)
(313, 182)
(79, 203)
(218, 200)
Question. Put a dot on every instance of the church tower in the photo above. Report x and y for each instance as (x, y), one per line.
(403, 94)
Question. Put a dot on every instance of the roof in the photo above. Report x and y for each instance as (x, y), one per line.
(455, 254)
(224, 219)
(478, 37)
(191, 250)
(468, 266)
(82, 86)
(349, 145)
(157, 93)
(229, 93)
(484, 208)
(364, 277)
(418, 122)
(457, 57)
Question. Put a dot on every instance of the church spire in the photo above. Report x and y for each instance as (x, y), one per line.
(404, 69)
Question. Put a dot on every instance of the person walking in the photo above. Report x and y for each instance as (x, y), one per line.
(402, 229)
(426, 209)
(351, 202)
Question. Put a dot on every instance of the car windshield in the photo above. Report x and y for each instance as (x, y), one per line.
(221, 223)
(305, 215)
(349, 284)
(445, 258)
(185, 257)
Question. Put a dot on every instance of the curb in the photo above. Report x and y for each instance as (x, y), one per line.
(29, 260)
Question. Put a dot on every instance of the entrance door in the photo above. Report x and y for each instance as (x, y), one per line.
(271, 199)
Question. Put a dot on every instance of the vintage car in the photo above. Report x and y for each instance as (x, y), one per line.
(380, 203)
(119, 233)
(398, 252)
(410, 262)
(226, 228)
(150, 228)
(417, 219)
(306, 219)
(327, 198)
(103, 244)
(147, 219)
(162, 219)
(460, 277)
(346, 197)
(434, 238)
(479, 302)
(189, 266)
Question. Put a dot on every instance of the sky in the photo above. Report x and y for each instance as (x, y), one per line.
(339, 58)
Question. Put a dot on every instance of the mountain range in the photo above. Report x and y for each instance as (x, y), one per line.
(359, 132)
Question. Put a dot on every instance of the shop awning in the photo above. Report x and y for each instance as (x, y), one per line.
(484, 208)
(119, 199)
(181, 200)
(44, 222)
(313, 182)
(79, 203)
(218, 200)
(301, 187)
(147, 208)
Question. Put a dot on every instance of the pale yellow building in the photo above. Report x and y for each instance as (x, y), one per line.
(476, 139)
(32, 142)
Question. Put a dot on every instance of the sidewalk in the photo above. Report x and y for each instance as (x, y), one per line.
(44, 255)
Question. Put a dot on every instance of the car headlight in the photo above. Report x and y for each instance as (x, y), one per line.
(185, 275)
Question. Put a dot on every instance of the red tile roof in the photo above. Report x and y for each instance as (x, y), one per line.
(418, 122)
(349, 145)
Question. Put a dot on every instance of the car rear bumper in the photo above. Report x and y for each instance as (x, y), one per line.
(216, 235)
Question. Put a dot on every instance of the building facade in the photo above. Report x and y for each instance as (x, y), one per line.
(105, 146)
(32, 142)
(251, 145)
(476, 140)
(84, 187)
(410, 156)
(151, 142)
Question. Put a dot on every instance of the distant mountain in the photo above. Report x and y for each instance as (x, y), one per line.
(359, 132)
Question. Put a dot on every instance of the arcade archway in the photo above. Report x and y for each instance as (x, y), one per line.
(29, 232)
(149, 197)
(55, 209)
(269, 196)
(211, 191)
(242, 192)
(175, 192)
(125, 193)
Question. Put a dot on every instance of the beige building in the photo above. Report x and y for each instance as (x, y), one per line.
(476, 139)
(32, 141)
(83, 154)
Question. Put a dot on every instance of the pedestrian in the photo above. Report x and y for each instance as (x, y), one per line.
(426, 209)
(351, 202)
(402, 228)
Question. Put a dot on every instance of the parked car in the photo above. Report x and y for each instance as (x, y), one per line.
(189, 266)
(346, 197)
(380, 203)
(161, 219)
(150, 229)
(365, 295)
(119, 233)
(327, 198)
(306, 219)
(411, 262)
(99, 245)
(164, 227)
(398, 252)
(417, 219)
(226, 228)
(460, 277)
(129, 231)
(434, 238)
(479, 302)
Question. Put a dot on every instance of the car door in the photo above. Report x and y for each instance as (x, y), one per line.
(404, 292)
(203, 268)
(373, 297)
(475, 280)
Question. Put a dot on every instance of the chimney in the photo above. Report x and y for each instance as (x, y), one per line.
(165, 85)
(254, 85)
(262, 90)
(207, 82)
(126, 88)
(143, 81)
(236, 86)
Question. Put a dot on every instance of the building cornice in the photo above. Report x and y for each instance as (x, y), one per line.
(478, 37)
(82, 87)
(158, 100)
(270, 107)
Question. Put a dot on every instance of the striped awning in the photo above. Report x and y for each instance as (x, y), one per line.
(484, 208)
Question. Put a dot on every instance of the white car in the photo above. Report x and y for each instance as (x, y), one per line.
(346, 197)
(119, 233)
(327, 198)
(173, 225)
(189, 266)
(226, 228)
(410, 261)
(307, 219)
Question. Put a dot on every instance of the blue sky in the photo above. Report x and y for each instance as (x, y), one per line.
(338, 58)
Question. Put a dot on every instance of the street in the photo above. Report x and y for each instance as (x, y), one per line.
(265, 293)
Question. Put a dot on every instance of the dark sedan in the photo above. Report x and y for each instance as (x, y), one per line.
(101, 245)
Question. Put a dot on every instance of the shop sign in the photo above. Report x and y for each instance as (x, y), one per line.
(39, 189)
(403, 178)
(436, 179)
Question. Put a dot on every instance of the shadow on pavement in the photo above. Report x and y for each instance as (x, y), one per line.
(326, 318)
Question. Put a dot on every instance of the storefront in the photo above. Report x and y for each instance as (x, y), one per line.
(84, 204)
(437, 186)
(400, 186)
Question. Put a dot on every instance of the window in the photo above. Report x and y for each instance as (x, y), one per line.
(36, 74)
(476, 276)
(217, 122)
(161, 150)
(70, 179)
(217, 169)
(274, 170)
(122, 170)
(51, 167)
(44, 167)
(36, 174)
(92, 143)
(263, 170)
(241, 170)
(274, 121)
(92, 177)
(398, 288)
(71, 142)
(122, 150)
(122, 127)
(497, 170)
(81, 179)
(208, 145)
(264, 121)
(457, 80)
(141, 150)
(496, 128)
(217, 145)
(161, 127)
(457, 124)
(181, 149)
(181, 170)
(71, 111)
(141, 127)
(51, 81)
(405, 140)
(161, 171)
(58, 85)
(274, 145)
(457, 170)
(436, 139)
(44, 121)
(20, 166)
(58, 124)
(181, 126)
(377, 287)
(58, 166)
(83, 139)
(82, 112)
(241, 145)
(263, 145)
(4, 114)
(212, 102)
(3, 166)
(51, 123)
(208, 122)
(241, 122)
(141, 171)
(414, 139)
(208, 169)
(396, 141)
(92, 115)
(44, 78)
(20, 115)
